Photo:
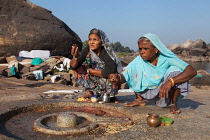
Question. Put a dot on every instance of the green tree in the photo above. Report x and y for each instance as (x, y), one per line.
(85, 43)
(117, 46)
(127, 49)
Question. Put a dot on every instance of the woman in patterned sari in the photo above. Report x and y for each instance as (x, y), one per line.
(157, 75)
(94, 64)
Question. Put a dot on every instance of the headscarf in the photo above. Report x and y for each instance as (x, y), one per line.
(159, 45)
(141, 75)
(105, 43)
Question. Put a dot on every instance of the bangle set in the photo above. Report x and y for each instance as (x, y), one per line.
(172, 81)
(88, 71)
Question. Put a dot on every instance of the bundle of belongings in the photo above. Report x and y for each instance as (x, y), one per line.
(39, 65)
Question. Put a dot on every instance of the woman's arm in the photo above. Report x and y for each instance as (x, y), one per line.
(188, 73)
(109, 67)
(95, 72)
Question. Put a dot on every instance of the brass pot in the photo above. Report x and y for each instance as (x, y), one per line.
(153, 120)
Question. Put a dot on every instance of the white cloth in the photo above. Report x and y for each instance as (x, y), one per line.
(44, 54)
(54, 78)
(66, 62)
(63, 91)
(60, 69)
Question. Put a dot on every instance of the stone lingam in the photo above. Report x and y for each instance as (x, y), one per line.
(67, 119)
(65, 123)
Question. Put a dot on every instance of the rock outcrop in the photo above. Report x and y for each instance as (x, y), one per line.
(26, 26)
(202, 79)
(127, 59)
(198, 48)
(189, 48)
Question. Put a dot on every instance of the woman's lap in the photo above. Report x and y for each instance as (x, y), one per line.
(96, 84)
(151, 95)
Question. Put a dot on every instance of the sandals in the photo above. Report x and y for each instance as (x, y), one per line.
(136, 102)
(174, 109)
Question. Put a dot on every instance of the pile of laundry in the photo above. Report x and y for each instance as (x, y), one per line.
(38, 65)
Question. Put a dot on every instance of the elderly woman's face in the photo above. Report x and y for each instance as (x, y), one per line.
(94, 42)
(147, 51)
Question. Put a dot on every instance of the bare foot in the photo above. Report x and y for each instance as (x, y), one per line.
(136, 102)
(116, 101)
(174, 109)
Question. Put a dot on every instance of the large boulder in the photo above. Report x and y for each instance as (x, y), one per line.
(186, 45)
(189, 48)
(175, 48)
(127, 59)
(197, 52)
(199, 44)
(202, 79)
(26, 26)
(185, 53)
(198, 48)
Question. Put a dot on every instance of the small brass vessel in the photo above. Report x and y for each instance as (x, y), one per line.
(153, 120)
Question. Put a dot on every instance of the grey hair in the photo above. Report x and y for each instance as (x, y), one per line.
(146, 39)
(141, 38)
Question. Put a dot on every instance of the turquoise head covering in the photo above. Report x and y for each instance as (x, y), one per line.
(159, 45)
(141, 75)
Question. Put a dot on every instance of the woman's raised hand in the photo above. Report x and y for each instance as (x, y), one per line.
(75, 50)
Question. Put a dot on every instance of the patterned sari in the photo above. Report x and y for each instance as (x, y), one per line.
(94, 83)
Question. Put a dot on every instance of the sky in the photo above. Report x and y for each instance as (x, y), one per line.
(125, 21)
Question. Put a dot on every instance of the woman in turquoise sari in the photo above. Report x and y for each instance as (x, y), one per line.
(157, 75)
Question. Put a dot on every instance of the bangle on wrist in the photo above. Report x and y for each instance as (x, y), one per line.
(88, 71)
(172, 81)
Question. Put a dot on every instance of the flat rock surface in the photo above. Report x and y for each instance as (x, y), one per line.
(192, 123)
